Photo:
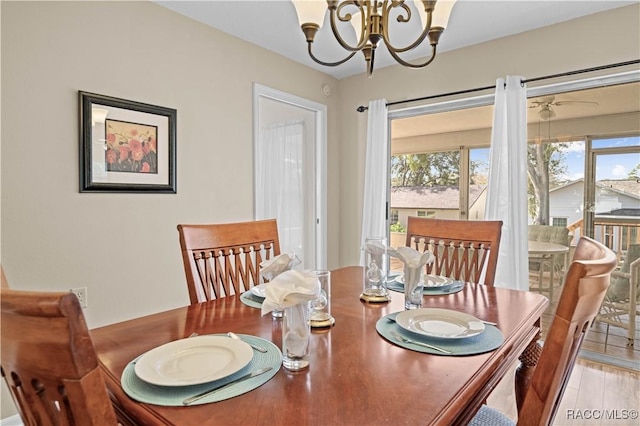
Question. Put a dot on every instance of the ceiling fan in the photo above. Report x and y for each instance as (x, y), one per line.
(547, 103)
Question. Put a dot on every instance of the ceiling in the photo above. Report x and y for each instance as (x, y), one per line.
(471, 22)
(601, 101)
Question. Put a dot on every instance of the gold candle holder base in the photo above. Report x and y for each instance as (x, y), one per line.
(375, 298)
(322, 323)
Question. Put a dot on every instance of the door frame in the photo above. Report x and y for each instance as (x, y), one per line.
(320, 154)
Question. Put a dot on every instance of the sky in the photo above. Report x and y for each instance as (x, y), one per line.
(609, 166)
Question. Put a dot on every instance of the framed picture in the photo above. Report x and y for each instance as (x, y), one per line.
(126, 146)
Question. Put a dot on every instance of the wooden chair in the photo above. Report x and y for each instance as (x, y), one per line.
(224, 259)
(49, 363)
(584, 289)
(461, 248)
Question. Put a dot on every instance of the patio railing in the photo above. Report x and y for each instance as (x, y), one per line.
(617, 233)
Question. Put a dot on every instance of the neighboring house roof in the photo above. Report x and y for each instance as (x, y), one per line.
(621, 212)
(434, 197)
(628, 187)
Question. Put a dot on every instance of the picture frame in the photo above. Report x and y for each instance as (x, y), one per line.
(126, 146)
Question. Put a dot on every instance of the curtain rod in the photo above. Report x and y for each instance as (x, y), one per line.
(363, 108)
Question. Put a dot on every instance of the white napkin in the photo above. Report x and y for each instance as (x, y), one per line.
(290, 288)
(411, 257)
(269, 269)
(413, 260)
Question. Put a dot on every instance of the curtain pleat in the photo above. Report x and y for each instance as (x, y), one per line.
(507, 188)
(374, 218)
(280, 182)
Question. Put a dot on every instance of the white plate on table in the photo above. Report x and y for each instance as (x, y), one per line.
(258, 290)
(431, 281)
(193, 360)
(441, 323)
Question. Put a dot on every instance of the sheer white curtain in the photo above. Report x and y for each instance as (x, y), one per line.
(280, 182)
(507, 189)
(374, 217)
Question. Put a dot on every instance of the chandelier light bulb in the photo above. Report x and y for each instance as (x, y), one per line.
(372, 22)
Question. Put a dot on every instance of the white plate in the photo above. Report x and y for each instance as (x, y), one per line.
(193, 360)
(258, 290)
(437, 281)
(441, 323)
(431, 281)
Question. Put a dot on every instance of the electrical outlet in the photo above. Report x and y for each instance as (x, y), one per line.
(81, 294)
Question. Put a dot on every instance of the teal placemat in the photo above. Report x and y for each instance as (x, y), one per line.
(491, 338)
(251, 299)
(174, 395)
(432, 291)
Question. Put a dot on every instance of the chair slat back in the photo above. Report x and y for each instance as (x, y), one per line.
(49, 362)
(584, 289)
(462, 249)
(224, 259)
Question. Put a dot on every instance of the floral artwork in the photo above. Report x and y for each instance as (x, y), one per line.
(131, 147)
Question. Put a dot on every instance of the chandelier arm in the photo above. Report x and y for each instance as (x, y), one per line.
(385, 33)
(333, 12)
(409, 64)
(329, 64)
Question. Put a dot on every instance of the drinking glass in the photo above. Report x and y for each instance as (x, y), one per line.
(296, 332)
(413, 285)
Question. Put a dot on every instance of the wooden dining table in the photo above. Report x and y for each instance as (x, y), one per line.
(355, 376)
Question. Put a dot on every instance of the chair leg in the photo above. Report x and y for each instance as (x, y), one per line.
(606, 338)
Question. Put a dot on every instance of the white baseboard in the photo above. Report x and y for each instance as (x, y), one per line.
(12, 421)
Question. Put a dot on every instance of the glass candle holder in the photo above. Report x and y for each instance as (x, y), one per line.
(320, 314)
(376, 267)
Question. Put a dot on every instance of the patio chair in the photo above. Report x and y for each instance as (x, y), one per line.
(462, 248)
(621, 305)
(554, 267)
(587, 281)
(224, 259)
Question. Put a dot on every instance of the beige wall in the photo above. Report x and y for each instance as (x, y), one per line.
(124, 247)
(568, 46)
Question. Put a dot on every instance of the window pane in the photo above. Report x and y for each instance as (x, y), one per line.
(560, 221)
(478, 180)
(616, 143)
(394, 217)
(425, 185)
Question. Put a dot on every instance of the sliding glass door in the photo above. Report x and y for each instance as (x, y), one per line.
(612, 195)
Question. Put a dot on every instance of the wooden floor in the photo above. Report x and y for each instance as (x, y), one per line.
(612, 348)
(594, 390)
(598, 393)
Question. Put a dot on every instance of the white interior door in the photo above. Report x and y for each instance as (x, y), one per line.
(290, 171)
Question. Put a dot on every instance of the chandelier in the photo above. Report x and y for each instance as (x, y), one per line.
(371, 22)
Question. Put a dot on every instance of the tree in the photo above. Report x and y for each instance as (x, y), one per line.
(635, 173)
(425, 169)
(545, 167)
